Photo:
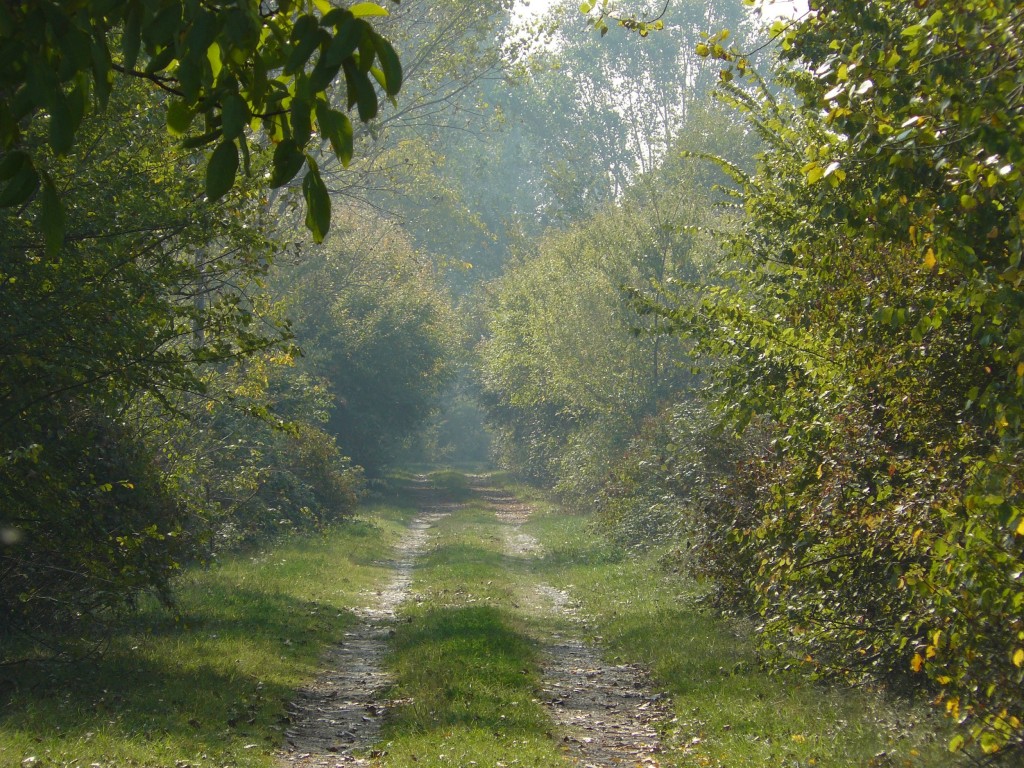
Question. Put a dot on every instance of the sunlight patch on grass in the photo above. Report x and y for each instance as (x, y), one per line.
(728, 711)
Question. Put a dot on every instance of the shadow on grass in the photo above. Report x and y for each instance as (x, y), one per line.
(189, 680)
(452, 484)
(464, 666)
(689, 651)
(411, 494)
(559, 558)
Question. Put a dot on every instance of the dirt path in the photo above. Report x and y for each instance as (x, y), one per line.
(606, 712)
(340, 712)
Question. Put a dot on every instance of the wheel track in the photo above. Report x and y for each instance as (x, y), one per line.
(607, 713)
(339, 714)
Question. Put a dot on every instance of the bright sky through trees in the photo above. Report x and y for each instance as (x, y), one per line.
(528, 10)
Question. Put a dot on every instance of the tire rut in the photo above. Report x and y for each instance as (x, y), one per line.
(339, 713)
(608, 714)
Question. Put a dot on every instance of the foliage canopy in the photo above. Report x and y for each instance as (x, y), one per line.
(231, 66)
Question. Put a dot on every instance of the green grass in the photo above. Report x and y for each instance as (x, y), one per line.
(207, 684)
(452, 483)
(728, 711)
(466, 669)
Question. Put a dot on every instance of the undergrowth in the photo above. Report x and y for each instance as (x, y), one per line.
(728, 710)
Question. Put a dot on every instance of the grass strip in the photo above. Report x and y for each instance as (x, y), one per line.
(729, 711)
(206, 685)
(467, 677)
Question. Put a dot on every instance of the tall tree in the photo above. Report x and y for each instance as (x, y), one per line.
(142, 293)
(872, 326)
(377, 325)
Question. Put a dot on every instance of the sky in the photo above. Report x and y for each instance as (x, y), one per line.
(530, 9)
(527, 10)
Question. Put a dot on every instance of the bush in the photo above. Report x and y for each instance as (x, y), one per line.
(90, 525)
(682, 482)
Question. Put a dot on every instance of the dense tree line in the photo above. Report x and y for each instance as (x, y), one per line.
(182, 370)
(843, 456)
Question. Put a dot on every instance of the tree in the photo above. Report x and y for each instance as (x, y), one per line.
(423, 162)
(568, 368)
(232, 66)
(143, 294)
(872, 326)
(378, 327)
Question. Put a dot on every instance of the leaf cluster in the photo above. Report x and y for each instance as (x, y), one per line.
(869, 320)
(236, 68)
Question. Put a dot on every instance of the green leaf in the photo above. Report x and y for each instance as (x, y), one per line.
(242, 27)
(234, 115)
(12, 163)
(179, 118)
(202, 32)
(102, 70)
(51, 218)
(305, 38)
(287, 161)
(389, 64)
(190, 77)
(336, 128)
(24, 180)
(361, 92)
(336, 17)
(162, 28)
(216, 62)
(62, 128)
(244, 146)
(302, 125)
(221, 170)
(194, 142)
(77, 101)
(76, 54)
(160, 61)
(318, 203)
(350, 33)
(360, 10)
(367, 52)
(8, 126)
(131, 37)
